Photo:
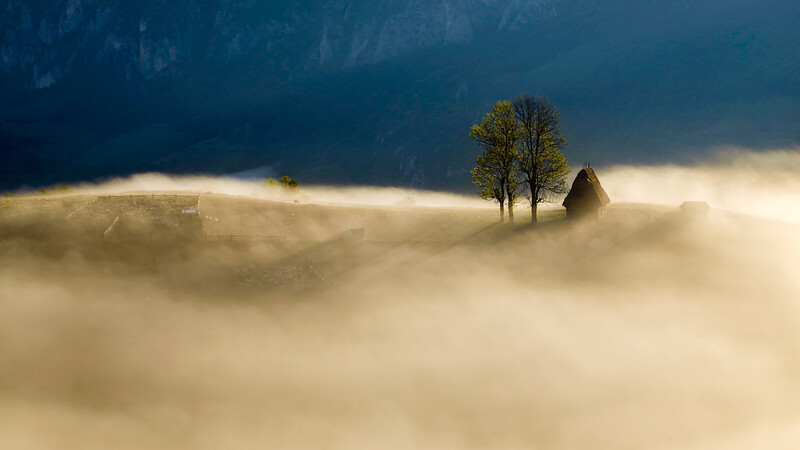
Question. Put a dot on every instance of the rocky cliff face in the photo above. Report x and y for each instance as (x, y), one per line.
(45, 40)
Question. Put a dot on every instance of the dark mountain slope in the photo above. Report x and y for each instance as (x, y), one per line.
(356, 92)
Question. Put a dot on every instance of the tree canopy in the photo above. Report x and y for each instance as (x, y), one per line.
(288, 182)
(285, 181)
(541, 162)
(522, 143)
(496, 171)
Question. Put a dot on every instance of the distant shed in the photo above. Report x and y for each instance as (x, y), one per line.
(586, 198)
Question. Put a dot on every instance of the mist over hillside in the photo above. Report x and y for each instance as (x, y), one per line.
(340, 91)
(131, 316)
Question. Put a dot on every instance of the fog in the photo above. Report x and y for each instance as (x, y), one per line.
(365, 195)
(763, 184)
(440, 329)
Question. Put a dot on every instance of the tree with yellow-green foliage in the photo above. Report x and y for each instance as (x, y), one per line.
(285, 181)
(288, 182)
(542, 165)
(497, 169)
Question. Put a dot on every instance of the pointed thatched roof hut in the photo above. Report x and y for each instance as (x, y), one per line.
(586, 198)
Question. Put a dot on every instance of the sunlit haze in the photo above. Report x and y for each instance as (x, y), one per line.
(167, 312)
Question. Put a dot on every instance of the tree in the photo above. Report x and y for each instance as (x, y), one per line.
(487, 177)
(285, 181)
(496, 171)
(288, 182)
(542, 164)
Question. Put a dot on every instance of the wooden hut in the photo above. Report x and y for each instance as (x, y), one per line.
(586, 198)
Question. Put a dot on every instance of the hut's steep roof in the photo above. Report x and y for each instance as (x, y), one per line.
(586, 186)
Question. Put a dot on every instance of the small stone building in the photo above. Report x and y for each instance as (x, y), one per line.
(586, 198)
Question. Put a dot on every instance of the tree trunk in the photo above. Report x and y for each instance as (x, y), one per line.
(510, 212)
(502, 211)
(534, 185)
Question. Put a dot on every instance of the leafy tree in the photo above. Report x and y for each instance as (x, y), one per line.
(285, 181)
(288, 182)
(496, 171)
(541, 163)
(486, 177)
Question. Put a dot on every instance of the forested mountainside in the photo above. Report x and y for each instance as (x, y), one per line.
(384, 92)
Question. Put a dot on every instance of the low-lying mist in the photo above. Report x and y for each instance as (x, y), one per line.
(368, 195)
(438, 328)
(763, 184)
